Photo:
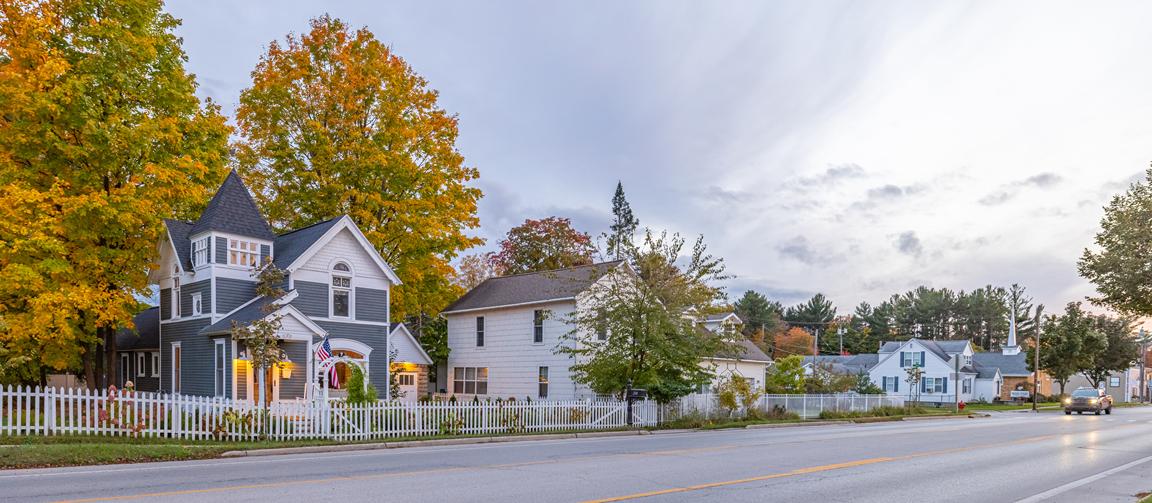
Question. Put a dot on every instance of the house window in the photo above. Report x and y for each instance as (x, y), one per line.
(470, 380)
(175, 293)
(156, 364)
(543, 379)
(406, 379)
(341, 290)
(243, 253)
(1113, 381)
(538, 326)
(175, 367)
(934, 384)
(218, 361)
(911, 358)
(602, 333)
(967, 387)
(197, 304)
(140, 365)
(199, 252)
(479, 331)
(891, 384)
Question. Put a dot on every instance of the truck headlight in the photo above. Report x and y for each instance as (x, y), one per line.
(1067, 401)
(1092, 401)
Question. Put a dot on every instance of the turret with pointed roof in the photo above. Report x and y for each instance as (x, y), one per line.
(233, 210)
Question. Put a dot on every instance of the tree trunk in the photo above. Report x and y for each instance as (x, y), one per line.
(89, 370)
(111, 368)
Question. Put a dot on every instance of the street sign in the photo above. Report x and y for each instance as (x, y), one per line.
(637, 394)
(1020, 394)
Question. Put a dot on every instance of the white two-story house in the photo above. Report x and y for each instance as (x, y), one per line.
(947, 370)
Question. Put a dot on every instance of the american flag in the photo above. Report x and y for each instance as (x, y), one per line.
(324, 352)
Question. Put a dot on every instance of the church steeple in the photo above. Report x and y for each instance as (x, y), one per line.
(233, 210)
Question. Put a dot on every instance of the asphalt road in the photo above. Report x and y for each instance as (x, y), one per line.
(1010, 457)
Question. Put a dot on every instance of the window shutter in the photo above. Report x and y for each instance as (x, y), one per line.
(923, 384)
(896, 384)
(921, 358)
(902, 360)
(945, 385)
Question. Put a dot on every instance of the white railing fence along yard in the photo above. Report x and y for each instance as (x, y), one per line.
(64, 411)
(805, 406)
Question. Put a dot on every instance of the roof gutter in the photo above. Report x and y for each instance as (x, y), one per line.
(505, 306)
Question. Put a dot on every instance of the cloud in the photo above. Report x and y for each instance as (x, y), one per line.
(833, 175)
(1011, 190)
(798, 248)
(909, 244)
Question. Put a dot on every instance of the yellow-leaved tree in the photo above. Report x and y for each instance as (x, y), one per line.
(101, 136)
(335, 123)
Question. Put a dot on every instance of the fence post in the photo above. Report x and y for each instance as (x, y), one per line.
(50, 412)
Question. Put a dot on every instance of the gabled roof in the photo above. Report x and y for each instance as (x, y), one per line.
(409, 347)
(846, 364)
(939, 348)
(290, 245)
(744, 350)
(179, 232)
(723, 316)
(248, 312)
(233, 210)
(1010, 365)
(145, 336)
(530, 288)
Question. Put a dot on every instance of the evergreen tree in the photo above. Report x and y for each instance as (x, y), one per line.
(624, 225)
(758, 313)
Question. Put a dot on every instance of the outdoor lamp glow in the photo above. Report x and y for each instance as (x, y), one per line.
(1067, 400)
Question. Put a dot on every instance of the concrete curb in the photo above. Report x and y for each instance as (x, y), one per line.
(314, 449)
(793, 425)
(929, 418)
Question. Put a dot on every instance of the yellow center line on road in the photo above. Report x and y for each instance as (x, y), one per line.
(287, 483)
(825, 468)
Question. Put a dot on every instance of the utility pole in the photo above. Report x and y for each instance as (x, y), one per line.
(956, 382)
(1143, 363)
(840, 332)
(1036, 362)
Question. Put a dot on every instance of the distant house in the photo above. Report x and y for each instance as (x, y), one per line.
(744, 359)
(139, 352)
(503, 333)
(842, 364)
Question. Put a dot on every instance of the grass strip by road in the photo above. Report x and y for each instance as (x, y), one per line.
(79, 450)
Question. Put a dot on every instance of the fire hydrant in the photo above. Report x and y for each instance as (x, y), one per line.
(961, 405)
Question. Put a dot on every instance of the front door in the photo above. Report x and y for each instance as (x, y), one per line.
(271, 385)
(408, 389)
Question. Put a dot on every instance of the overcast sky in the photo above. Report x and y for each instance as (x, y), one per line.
(852, 148)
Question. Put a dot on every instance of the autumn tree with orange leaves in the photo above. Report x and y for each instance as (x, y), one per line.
(794, 341)
(101, 136)
(336, 123)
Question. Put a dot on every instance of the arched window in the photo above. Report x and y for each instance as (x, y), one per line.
(343, 370)
(341, 290)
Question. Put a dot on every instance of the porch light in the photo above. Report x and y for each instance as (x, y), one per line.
(286, 369)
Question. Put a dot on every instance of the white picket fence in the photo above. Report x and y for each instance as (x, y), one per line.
(806, 406)
(52, 411)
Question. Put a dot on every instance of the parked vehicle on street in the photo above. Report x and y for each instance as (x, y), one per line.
(1088, 400)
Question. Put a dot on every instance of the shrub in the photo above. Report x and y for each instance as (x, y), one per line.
(360, 391)
(883, 411)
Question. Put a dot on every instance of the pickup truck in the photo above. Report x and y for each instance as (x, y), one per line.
(1088, 400)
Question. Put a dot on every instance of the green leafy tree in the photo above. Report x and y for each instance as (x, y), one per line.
(261, 337)
(824, 380)
(758, 313)
(101, 136)
(1070, 344)
(336, 123)
(735, 393)
(813, 312)
(1120, 264)
(650, 342)
(542, 245)
(1121, 349)
(360, 391)
(865, 386)
(624, 225)
(785, 376)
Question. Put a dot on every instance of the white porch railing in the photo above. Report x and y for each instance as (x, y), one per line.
(51, 411)
(806, 406)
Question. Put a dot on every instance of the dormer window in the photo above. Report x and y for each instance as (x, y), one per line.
(200, 252)
(341, 290)
(243, 253)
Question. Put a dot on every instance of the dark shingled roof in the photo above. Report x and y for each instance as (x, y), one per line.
(532, 287)
(145, 336)
(743, 349)
(1010, 365)
(289, 246)
(243, 316)
(846, 364)
(233, 210)
(179, 231)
